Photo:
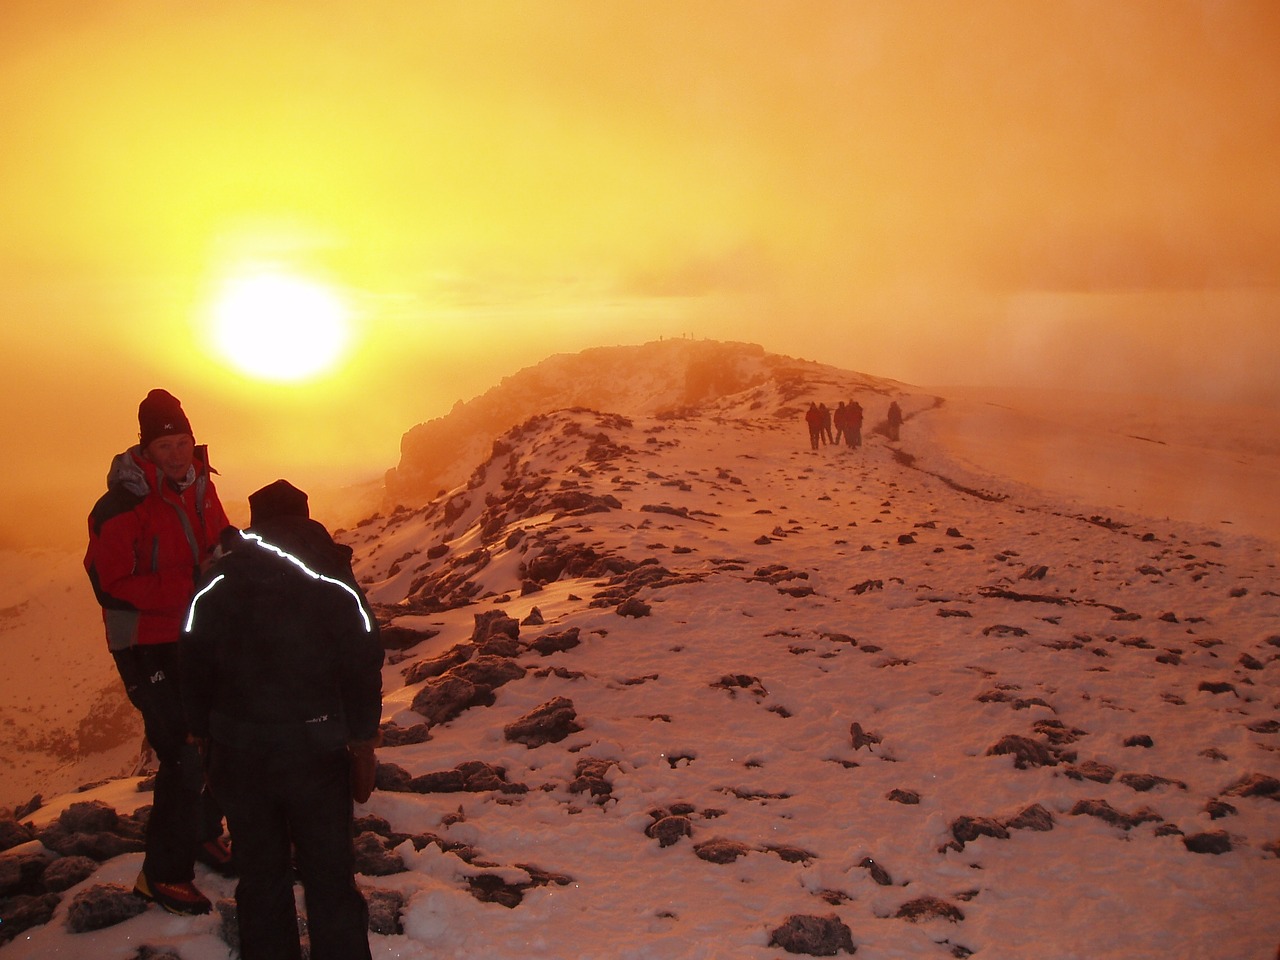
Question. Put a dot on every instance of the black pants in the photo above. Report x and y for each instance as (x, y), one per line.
(275, 799)
(183, 813)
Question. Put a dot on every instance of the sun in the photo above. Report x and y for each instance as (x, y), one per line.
(280, 326)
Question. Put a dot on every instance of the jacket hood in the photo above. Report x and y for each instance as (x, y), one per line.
(133, 472)
(310, 542)
(129, 471)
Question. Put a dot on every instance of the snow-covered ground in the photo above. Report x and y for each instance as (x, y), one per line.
(839, 650)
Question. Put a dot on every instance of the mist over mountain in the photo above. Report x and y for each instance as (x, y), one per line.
(663, 682)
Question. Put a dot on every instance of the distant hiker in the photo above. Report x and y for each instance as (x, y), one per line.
(853, 424)
(153, 530)
(284, 685)
(813, 417)
(826, 422)
(838, 419)
(894, 423)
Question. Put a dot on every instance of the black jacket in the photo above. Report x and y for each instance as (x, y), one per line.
(280, 648)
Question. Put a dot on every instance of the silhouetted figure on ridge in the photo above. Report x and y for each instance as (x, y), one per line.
(853, 424)
(894, 424)
(813, 417)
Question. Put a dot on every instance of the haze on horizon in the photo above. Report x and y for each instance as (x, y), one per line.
(1072, 194)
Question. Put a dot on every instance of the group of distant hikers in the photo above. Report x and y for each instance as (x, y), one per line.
(847, 420)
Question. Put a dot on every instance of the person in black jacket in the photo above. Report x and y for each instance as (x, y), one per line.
(282, 681)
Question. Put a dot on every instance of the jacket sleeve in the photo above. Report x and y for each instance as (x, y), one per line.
(197, 646)
(361, 670)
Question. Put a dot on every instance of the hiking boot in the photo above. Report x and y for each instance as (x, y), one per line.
(216, 855)
(180, 898)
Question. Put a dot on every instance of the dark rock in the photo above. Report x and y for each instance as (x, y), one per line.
(1025, 751)
(500, 646)
(669, 830)
(493, 623)
(862, 738)
(929, 908)
(491, 888)
(443, 698)
(815, 936)
(92, 816)
(549, 643)
(66, 872)
(395, 637)
(375, 858)
(633, 607)
(720, 850)
(1105, 812)
(898, 795)
(1034, 817)
(792, 854)
(13, 833)
(1142, 782)
(1139, 740)
(489, 671)
(1092, 770)
(1218, 686)
(392, 778)
(1215, 842)
(397, 736)
(103, 905)
(24, 810)
(23, 874)
(23, 912)
(589, 777)
(439, 665)
(966, 829)
(1217, 809)
(878, 873)
(385, 907)
(549, 723)
(479, 777)
(1254, 785)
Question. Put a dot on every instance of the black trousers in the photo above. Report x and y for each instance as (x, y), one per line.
(275, 800)
(183, 813)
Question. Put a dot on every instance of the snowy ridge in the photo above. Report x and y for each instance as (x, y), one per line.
(662, 376)
(678, 687)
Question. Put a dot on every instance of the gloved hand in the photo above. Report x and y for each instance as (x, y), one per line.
(364, 767)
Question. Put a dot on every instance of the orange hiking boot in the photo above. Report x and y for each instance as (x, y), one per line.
(216, 855)
(180, 898)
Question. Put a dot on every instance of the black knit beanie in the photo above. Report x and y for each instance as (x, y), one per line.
(160, 415)
(278, 499)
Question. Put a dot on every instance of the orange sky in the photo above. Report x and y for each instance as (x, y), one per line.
(1074, 193)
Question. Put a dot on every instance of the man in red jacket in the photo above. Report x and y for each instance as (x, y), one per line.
(150, 535)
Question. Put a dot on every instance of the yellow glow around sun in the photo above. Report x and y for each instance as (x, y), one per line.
(279, 326)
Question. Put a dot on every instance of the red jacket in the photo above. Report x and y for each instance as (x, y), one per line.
(146, 542)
